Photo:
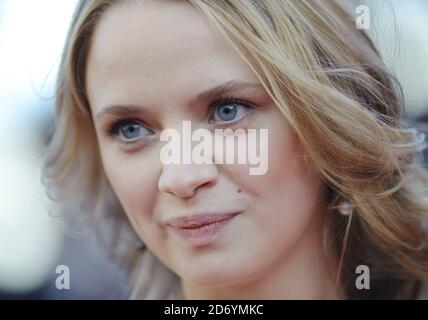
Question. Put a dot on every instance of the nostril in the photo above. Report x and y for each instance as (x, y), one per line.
(183, 180)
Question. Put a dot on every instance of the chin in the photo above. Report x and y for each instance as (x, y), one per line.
(219, 277)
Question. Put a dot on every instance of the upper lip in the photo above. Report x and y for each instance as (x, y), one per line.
(199, 220)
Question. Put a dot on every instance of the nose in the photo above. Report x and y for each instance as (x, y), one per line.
(183, 180)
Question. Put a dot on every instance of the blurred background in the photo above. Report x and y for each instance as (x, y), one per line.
(33, 243)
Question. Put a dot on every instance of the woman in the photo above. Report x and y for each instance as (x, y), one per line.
(344, 189)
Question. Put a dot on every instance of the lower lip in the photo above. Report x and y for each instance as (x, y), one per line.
(203, 235)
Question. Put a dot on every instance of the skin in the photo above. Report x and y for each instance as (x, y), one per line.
(160, 60)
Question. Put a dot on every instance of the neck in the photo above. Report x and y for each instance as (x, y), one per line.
(305, 273)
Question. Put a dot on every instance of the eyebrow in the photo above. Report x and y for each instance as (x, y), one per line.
(210, 94)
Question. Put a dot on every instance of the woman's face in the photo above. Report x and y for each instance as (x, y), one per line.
(147, 66)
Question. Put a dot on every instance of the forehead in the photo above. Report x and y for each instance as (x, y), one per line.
(158, 46)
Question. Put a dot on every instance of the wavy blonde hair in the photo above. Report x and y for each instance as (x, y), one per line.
(332, 86)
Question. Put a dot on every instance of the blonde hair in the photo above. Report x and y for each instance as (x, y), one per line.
(330, 83)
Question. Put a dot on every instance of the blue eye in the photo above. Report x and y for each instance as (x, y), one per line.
(229, 111)
(129, 130)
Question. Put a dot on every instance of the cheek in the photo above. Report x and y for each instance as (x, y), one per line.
(291, 190)
(288, 198)
(290, 180)
(134, 181)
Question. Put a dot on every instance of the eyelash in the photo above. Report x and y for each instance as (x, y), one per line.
(114, 127)
(228, 101)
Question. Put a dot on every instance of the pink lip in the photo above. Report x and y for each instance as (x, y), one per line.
(200, 229)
